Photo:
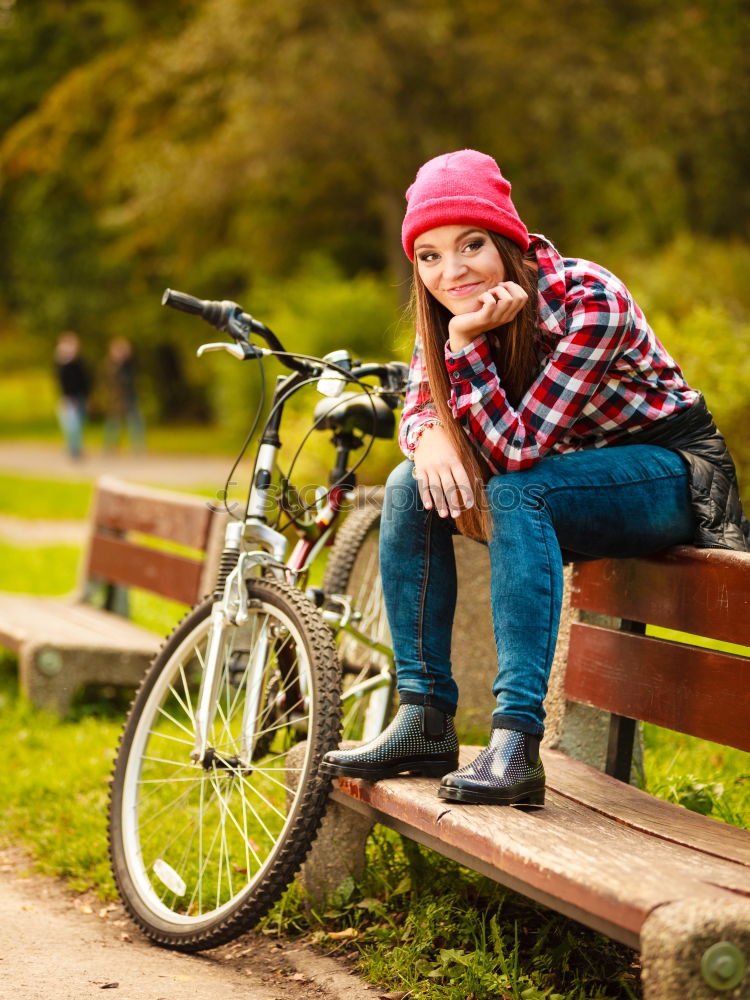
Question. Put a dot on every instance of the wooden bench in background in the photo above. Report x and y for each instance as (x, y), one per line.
(643, 871)
(65, 643)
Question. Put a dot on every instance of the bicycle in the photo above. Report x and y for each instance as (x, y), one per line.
(212, 809)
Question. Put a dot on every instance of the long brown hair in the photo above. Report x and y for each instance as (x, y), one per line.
(513, 350)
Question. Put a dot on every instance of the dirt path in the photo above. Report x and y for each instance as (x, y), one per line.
(56, 946)
(48, 461)
(31, 532)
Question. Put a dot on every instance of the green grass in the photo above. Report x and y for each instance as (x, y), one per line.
(419, 923)
(53, 786)
(703, 776)
(416, 922)
(50, 569)
(21, 496)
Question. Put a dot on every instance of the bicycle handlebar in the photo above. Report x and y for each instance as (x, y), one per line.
(226, 315)
(229, 316)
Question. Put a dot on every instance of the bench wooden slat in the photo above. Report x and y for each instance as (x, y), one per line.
(641, 811)
(69, 626)
(700, 591)
(66, 643)
(567, 855)
(120, 506)
(691, 690)
(130, 565)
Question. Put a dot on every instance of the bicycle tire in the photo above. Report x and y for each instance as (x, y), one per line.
(353, 568)
(200, 852)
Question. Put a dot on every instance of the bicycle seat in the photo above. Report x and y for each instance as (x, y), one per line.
(356, 411)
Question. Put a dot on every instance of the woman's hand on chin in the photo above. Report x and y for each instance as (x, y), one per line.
(497, 306)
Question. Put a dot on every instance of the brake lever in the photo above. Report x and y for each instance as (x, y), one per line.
(398, 374)
(240, 351)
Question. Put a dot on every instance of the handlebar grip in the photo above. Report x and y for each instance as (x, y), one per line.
(217, 314)
(183, 302)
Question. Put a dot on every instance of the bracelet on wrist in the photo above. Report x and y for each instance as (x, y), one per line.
(421, 429)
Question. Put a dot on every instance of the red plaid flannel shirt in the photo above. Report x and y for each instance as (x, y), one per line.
(602, 371)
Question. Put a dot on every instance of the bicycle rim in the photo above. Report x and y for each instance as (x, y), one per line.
(201, 851)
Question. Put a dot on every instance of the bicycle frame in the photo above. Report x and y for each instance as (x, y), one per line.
(261, 548)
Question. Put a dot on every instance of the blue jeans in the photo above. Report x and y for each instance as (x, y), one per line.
(597, 503)
(72, 415)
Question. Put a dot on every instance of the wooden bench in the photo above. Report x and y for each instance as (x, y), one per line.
(643, 871)
(65, 643)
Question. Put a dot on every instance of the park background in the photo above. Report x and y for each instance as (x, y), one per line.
(260, 152)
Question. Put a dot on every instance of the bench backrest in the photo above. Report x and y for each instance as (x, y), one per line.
(130, 524)
(671, 682)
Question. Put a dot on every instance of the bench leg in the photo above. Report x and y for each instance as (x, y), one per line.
(50, 676)
(46, 679)
(697, 950)
(338, 852)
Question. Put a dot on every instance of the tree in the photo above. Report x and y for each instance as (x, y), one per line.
(223, 143)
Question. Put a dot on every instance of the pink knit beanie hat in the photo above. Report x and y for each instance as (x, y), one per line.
(461, 187)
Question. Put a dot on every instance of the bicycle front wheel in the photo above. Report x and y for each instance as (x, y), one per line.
(354, 569)
(200, 851)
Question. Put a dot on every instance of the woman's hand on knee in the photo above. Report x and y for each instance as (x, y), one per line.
(442, 480)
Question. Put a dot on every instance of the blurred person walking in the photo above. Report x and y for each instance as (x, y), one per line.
(123, 408)
(74, 381)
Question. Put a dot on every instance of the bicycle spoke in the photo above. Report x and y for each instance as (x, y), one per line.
(171, 718)
(187, 704)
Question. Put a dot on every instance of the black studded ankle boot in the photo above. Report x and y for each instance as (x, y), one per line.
(509, 772)
(420, 740)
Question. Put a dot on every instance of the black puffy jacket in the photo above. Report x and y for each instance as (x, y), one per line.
(713, 479)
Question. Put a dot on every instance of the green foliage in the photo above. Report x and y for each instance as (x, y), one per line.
(702, 776)
(320, 309)
(315, 311)
(695, 294)
(66, 34)
(146, 144)
(28, 400)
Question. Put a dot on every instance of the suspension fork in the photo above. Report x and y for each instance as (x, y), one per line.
(228, 613)
(206, 709)
(256, 673)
